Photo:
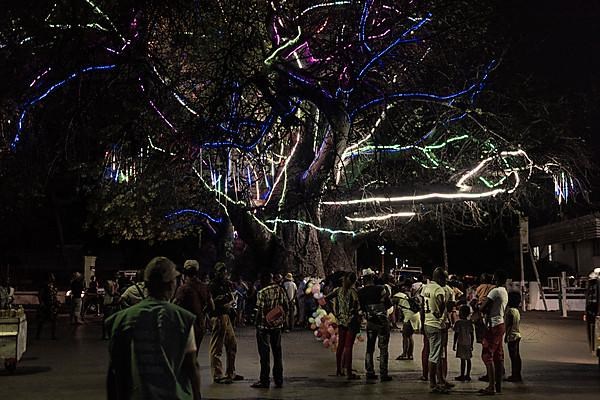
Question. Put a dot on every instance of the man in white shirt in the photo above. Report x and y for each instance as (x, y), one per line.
(492, 353)
(434, 308)
(291, 290)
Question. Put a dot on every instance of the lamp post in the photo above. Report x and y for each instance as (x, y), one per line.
(382, 250)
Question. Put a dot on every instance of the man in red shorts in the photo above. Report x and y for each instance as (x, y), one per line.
(492, 353)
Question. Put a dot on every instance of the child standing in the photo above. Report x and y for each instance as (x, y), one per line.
(463, 343)
(513, 336)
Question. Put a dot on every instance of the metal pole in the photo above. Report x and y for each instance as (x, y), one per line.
(522, 285)
(382, 250)
(445, 248)
(537, 278)
(563, 293)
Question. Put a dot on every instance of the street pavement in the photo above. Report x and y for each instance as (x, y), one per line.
(556, 364)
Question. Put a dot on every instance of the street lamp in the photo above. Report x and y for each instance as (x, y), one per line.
(382, 250)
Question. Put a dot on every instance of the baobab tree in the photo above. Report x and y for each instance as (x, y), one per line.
(306, 126)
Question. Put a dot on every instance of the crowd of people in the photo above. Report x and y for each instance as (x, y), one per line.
(157, 322)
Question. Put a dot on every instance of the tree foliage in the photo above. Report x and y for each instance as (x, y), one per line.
(298, 121)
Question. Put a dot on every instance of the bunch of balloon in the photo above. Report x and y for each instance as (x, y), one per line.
(322, 323)
(325, 328)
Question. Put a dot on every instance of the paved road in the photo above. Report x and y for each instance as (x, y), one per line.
(556, 364)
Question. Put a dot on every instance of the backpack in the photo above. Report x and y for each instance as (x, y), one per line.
(275, 317)
(413, 305)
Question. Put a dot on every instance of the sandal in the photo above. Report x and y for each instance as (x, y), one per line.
(353, 377)
(440, 390)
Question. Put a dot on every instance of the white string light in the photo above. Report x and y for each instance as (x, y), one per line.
(309, 224)
(415, 198)
(381, 217)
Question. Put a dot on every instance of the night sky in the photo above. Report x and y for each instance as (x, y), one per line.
(554, 49)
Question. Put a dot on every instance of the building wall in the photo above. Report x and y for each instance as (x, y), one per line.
(585, 254)
(582, 256)
(564, 254)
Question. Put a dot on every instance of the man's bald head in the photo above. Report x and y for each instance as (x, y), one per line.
(440, 276)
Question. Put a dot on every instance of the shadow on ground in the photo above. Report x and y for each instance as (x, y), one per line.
(26, 370)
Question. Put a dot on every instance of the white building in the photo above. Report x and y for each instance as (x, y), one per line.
(574, 242)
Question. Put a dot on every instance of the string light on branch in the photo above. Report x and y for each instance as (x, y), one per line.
(194, 212)
(417, 198)
(503, 155)
(323, 5)
(379, 218)
(311, 225)
(25, 107)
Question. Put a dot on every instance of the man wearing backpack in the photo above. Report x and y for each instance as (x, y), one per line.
(271, 310)
(409, 309)
(375, 301)
(152, 346)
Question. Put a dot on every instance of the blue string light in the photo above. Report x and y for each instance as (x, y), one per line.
(25, 107)
(195, 212)
(396, 42)
(267, 124)
(414, 95)
(363, 22)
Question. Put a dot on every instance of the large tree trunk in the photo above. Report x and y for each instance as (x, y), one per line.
(338, 255)
(306, 252)
(299, 249)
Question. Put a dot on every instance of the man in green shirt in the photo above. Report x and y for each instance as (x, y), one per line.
(152, 345)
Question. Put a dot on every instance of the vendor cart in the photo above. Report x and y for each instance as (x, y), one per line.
(13, 337)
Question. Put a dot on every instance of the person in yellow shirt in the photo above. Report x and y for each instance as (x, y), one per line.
(434, 309)
(513, 336)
